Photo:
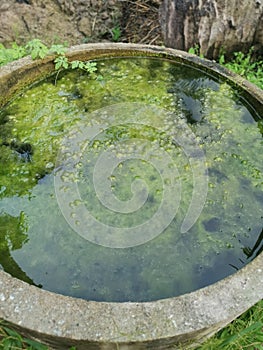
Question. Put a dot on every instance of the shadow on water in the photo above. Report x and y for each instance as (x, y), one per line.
(190, 87)
(253, 252)
(228, 264)
(12, 237)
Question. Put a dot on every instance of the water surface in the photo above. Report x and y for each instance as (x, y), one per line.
(160, 123)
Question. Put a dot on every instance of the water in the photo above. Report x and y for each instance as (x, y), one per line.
(140, 183)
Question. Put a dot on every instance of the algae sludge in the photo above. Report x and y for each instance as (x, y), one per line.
(88, 162)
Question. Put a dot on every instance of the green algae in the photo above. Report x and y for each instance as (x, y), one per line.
(46, 250)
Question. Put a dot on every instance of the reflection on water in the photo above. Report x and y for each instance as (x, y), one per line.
(13, 235)
(256, 249)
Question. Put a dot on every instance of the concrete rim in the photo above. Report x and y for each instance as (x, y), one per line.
(58, 319)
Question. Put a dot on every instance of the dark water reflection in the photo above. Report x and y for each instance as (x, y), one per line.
(253, 252)
(10, 240)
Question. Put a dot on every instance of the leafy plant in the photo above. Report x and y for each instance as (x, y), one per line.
(58, 49)
(12, 340)
(11, 54)
(116, 33)
(61, 62)
(244, 65)
(90, 67)
(196, 51)
(37, 49)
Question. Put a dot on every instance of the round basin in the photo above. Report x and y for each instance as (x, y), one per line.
(177, 126)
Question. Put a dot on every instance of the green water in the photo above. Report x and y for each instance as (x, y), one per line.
(87, 161)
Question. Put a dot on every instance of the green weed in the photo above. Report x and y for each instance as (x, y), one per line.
(246, 66)
(116, 33)
(12, 340)
(196, 51)
(246, 332)
(11, 54)
(242, 64)
(37, 49)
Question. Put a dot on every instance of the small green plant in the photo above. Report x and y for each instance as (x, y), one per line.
(116, 33)
(196, 51)
(37, 49)
(90, 67)
(246, 332)
(61, 62)
(11, 54)
(12, 340)
(244, 65)
(58, 49)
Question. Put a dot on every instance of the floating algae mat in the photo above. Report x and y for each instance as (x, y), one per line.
(139, 183)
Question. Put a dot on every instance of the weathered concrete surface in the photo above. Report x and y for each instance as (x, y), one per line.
(61, 321)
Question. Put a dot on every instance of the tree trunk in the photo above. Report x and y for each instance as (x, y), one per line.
(213, 25)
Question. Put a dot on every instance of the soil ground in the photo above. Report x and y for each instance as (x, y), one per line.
(80, 21)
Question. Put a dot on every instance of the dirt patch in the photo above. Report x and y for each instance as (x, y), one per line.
(80, 21)
(140, 22)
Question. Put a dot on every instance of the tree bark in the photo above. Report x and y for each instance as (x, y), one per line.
(213, 25)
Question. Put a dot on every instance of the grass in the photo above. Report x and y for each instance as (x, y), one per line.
(246, 332)
(11, 340)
